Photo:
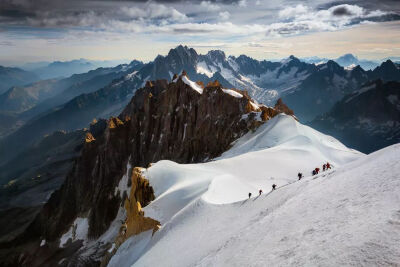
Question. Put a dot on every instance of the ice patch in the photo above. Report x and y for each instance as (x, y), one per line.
(112, 248)
(78, 231)
(232, 93)
(350, 67)
(130, 75)
(254, 105)
(123, 183)
(319, 63)
(233, 64)
(192, 84)
(205, 69)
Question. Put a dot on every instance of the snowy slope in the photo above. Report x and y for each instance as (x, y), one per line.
(348, 216)
(206, 216)
(275, 153)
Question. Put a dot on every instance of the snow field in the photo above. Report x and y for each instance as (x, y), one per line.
(346, 217)
(342, 217)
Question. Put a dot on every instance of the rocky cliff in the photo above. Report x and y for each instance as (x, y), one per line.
(181, 121)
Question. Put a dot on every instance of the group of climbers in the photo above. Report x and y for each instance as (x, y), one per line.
(260, 191)
(325, 167)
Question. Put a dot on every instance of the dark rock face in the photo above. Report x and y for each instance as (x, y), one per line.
(387, 71)
(368, 119)
(185, 126)
(162, 121)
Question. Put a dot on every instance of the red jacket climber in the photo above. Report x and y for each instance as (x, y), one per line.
(328, 166)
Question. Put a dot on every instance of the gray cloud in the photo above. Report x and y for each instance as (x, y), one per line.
(342, 11)
(192, 17)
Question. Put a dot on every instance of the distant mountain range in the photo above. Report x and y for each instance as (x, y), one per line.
(367, 119)
(78, 102)
(26, 102)
(15, 77)
(349, 61)
(57, 69)
(309, 89)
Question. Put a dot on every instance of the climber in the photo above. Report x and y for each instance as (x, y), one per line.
(249, 195)
(273, 186)
(300, 175)
(314, 172)
(328, 166)
(260, 192)
(324, 167)
(317, 170)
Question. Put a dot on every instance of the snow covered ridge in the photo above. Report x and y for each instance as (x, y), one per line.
(232, 93)
(338, 217)
(192, 84)
(199, 88)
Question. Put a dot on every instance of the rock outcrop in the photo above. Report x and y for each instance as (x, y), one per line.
(162, 121)
(141, 193)
(282, 107)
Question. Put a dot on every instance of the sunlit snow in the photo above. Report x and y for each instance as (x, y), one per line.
(338, 217)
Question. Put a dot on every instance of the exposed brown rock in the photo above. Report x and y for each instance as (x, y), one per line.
(281, 107)
(149, 84)
(141, 194)
(214, 84)
(89, 137)
(268, 113)
(250, 107)
(200, 83)
(114, 123)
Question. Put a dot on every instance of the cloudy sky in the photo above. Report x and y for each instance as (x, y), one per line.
(33, 30)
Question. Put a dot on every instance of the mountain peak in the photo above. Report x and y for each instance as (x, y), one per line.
(217, 55)
(387, 63)
(291, 58)
(386, 71)
(347, 60)
(332, 64)
(348, 57)
(182, 51)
